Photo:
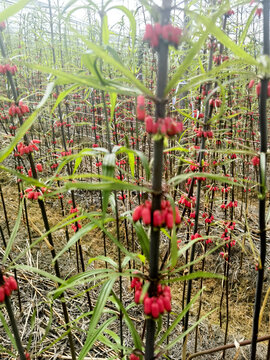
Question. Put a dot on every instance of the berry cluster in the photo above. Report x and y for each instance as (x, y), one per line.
(76, 226)
(255, 161)
(156, 305)
(23, 149)
(215, 102)
(32, 194)
(19, 109)
(7, 287)
(8, 68)
(166, 126)
(59, 124)
(187, 202)
(231, 204)
(167, 33)
(206, 134)
(162, 217)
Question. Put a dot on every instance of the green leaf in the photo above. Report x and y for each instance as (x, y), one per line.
(19, 134)
(105, 259)
(184, 334)
(79, 234)
(98, 50)
(226, 41)
(139, 154)
(186, 63)
(7, 330)
(62, 95)
(197, 275)
(179, 318)
(13, 9)
(180, 178)
(40, 272)
(48, 92)
(108, 166)
(249, 21)
(136, 337)
(84, 80)
(105, 30)
(113, 98)
(143, 239)
(14, 233)
(132, 22)
(101, 302)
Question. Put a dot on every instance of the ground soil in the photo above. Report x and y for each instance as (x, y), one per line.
(36, 298)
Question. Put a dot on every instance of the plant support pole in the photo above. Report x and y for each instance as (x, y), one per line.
(262, 194)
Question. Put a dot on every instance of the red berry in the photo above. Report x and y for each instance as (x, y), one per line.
(157, 218)
(2, 294)
(12, 283)
(7, 289)
(137, 296)
(146, 216)
(137, 214)
(169, 220)
(155, 309)
(167, 303)
(147, 305)
(133, 357)
(160, 305)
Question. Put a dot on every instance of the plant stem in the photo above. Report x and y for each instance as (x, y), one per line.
(262, 199)
(157, 179)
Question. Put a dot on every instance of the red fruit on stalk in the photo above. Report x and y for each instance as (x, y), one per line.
(137, 296)
(160, 305)
(146, 216)
(155, 309)
(251, 83)
(169, 220)
(137, 214)
(7, 289)
(39, 168)
(12, 283)
(2, 294)
(167, 303)
(157, 218)
(140, 108)
(149, 125)
(255, 161)
(133, 357)
(147, 302)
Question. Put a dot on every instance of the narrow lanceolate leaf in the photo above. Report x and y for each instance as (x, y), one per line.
(40, 272)
(132, 22)
(184, 334)
(226, 41)
(136, 337)
(101, 302)
(143, 239)
(13, 9)
(13, 234)
(100, 52)
(179, 318)
(19, 134)
(105, 30)
(180, 178)
(108, 166)
(62, 95)
(7, 330)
